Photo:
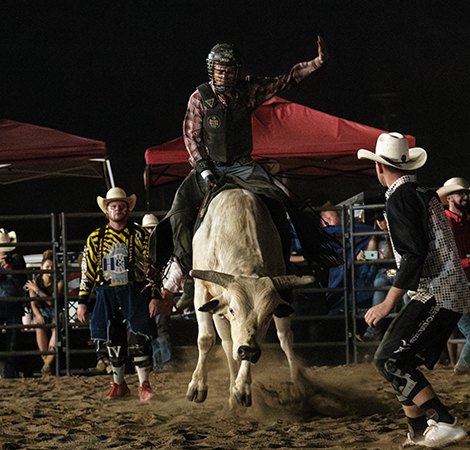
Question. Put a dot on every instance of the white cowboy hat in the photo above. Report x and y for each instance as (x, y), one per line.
(452, 185)
(115, 194)
(7, 238)
(149, 220)
(392, 149)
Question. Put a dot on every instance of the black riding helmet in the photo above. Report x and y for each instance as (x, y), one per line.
(223, 55)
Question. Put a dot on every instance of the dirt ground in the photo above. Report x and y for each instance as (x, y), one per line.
(342, 407)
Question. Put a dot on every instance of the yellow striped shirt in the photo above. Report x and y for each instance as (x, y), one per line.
(110, 261)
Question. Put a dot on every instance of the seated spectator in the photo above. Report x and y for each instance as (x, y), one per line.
(44, 310)
(11, 260)
(11, 285)
(380, 244)
(330, 218)
(365, 273)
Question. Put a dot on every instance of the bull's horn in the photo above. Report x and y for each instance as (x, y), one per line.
(222, 279)
(289, 281)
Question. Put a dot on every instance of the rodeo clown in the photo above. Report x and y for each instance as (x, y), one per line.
(110, 266)
(218, 137)
(430, 270)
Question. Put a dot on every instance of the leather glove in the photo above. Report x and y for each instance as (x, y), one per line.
(209, 177)
(207, 171)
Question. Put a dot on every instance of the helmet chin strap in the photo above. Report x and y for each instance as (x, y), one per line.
(221, 89)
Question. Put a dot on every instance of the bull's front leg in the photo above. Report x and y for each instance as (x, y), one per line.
(224, 330)
(242, 387)
(197, 388)
(286, 339)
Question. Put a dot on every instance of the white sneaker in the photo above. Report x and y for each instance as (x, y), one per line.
(440, 434)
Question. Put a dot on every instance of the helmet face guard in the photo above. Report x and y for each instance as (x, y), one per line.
(225, 55)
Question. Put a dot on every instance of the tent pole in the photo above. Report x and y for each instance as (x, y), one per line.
(109, 172)
(147, 186)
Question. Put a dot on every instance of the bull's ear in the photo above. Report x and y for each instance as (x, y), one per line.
(210, 307)
(283, 310)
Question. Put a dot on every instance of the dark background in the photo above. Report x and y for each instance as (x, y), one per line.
(122, 72)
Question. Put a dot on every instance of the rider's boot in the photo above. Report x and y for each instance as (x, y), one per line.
(186, 301)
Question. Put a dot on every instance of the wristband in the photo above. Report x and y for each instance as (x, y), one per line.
(206, 173)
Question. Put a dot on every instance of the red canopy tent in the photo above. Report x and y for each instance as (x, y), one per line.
(29, 152)
(302, 140)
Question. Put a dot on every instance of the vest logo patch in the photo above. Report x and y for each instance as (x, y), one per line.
(116, 263)
(214, 122)
(210, 102)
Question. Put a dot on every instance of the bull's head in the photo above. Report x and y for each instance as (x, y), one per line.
(249, 304)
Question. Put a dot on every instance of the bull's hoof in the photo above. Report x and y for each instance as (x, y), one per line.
(242, 399)
(196, 396)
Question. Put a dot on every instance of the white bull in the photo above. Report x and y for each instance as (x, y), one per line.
(238, 269)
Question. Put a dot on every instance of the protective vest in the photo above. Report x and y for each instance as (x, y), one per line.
(118, 266)
(226, 130)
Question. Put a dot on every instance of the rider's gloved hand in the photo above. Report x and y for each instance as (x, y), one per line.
(209, 177)
(206, 169)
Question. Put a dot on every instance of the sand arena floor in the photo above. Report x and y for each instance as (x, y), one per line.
(343, 407)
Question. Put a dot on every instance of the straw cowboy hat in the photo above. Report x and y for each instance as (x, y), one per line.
(116, 194)
(392, 149)
(149, 220)
(452, 185)
(7, 238)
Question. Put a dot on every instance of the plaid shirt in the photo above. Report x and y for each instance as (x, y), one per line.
(425, 251)
(259, 90)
